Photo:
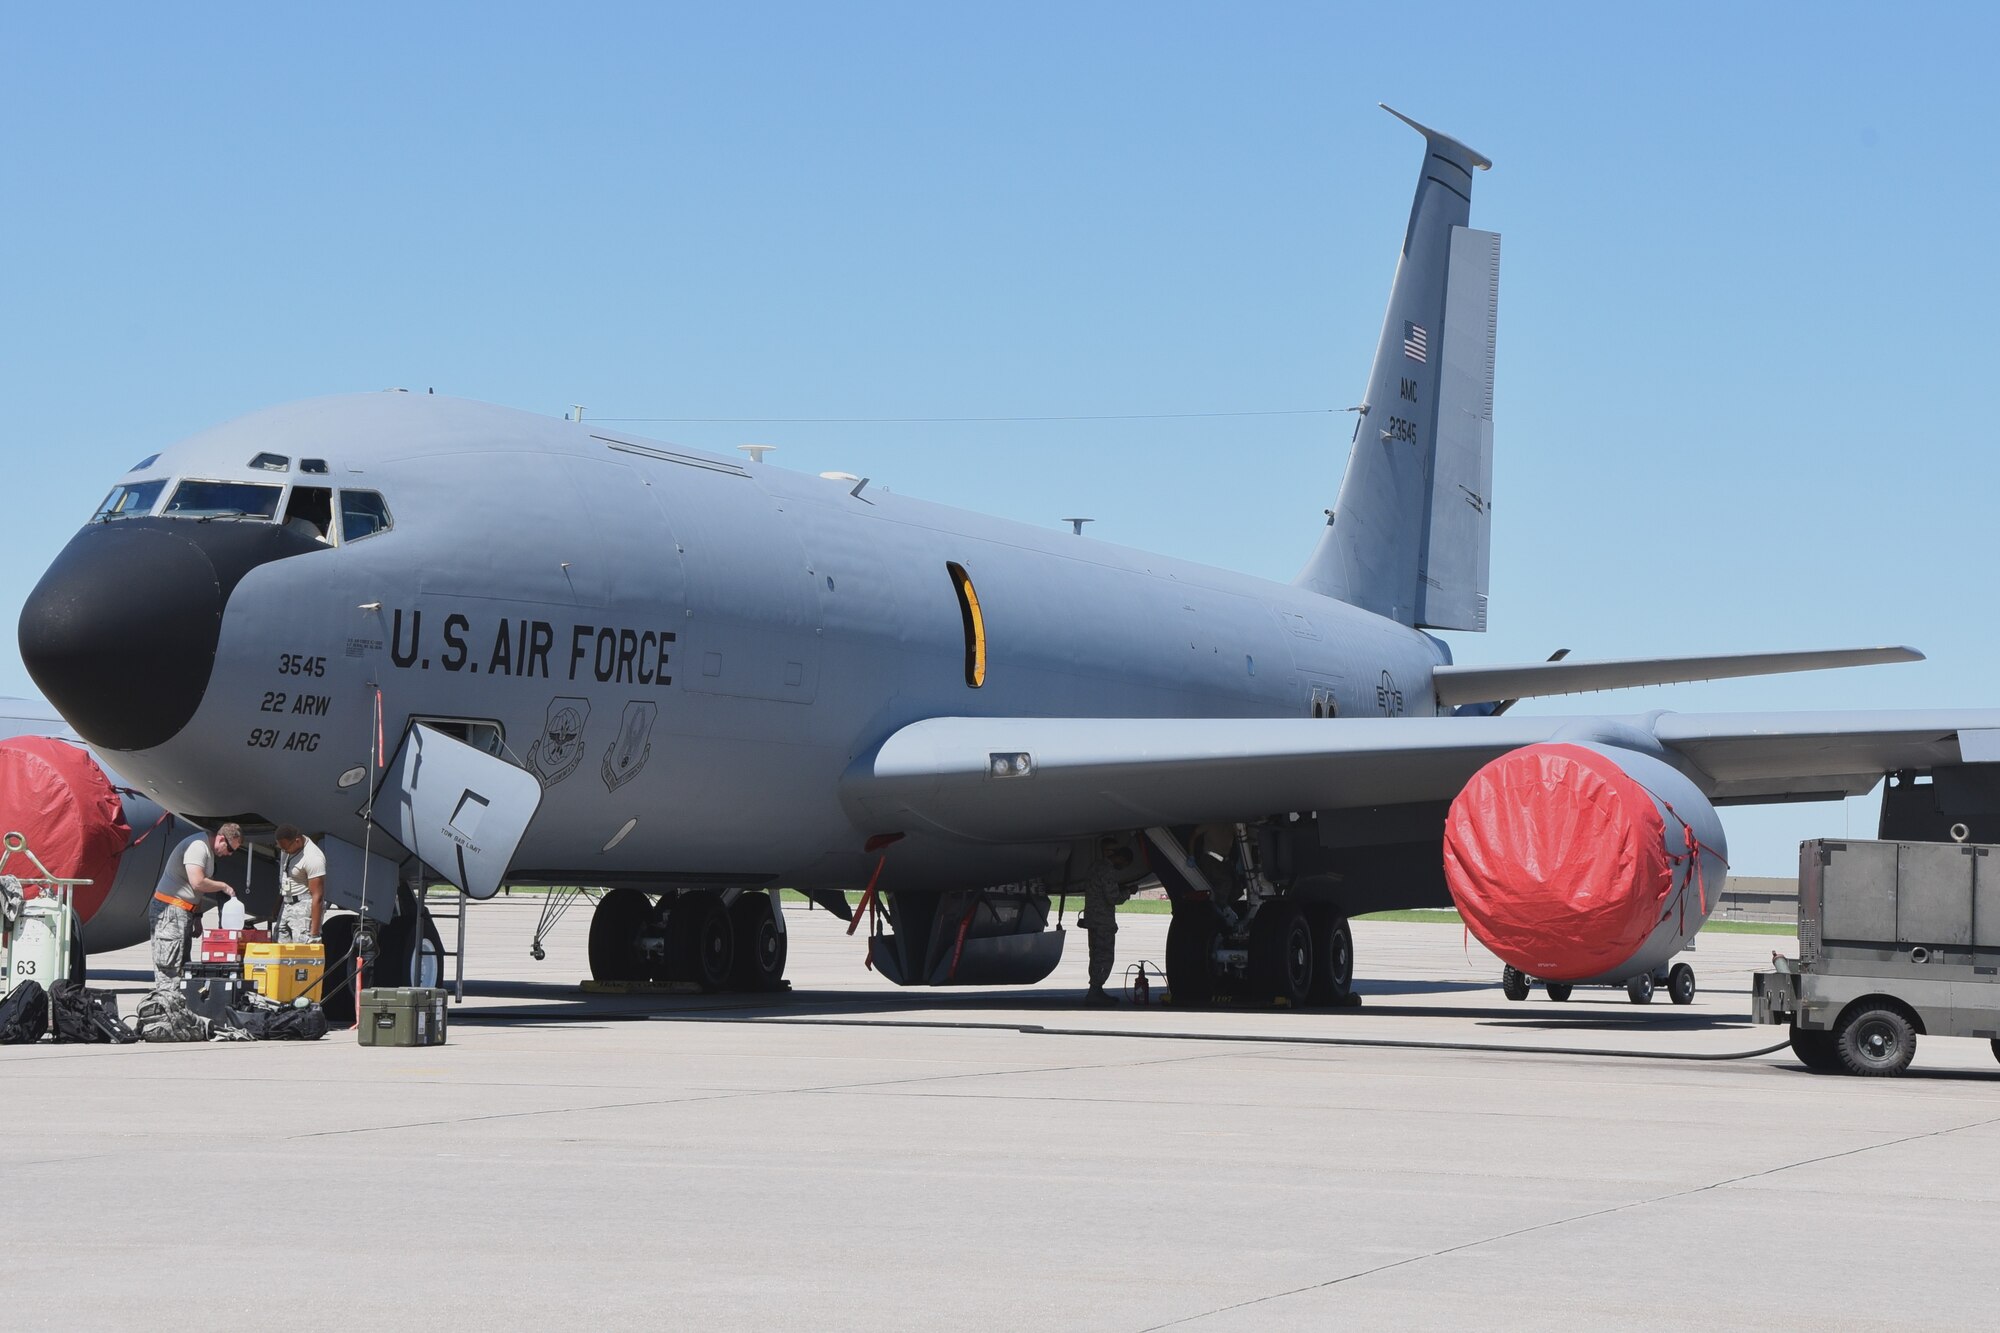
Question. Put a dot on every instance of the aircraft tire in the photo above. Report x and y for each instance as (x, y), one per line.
(1333, 955)
(1191, 938)
(760, 946)
(1639, 990)
(78, 967)
(429, 963)
(1559, 990)
(1281, 953)
(1513, 983)
(1815, 1050)
(700, 945)
(1680, 984)
(621, 916)
(1995, 1044)
(336, 992)
(1876, 1041)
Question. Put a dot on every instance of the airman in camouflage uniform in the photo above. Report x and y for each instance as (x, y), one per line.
(1103, 889)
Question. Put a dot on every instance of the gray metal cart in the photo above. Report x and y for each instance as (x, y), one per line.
(1896, 940)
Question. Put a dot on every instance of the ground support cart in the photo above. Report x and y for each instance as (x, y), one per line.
(1896, 940)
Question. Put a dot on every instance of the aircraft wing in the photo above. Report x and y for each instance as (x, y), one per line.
(1069, 777)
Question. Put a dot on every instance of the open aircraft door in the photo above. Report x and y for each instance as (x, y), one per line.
(459, 809)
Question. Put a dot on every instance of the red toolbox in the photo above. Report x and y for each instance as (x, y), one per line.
(226, 946)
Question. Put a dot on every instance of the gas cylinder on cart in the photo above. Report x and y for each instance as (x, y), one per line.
(38, 936)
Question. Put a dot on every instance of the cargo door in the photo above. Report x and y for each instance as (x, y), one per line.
(753, 596)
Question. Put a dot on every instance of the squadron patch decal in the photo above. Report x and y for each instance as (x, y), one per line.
(628, 754)
(555, 755)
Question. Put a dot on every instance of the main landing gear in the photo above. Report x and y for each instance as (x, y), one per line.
(1298, 953)
(715, 941)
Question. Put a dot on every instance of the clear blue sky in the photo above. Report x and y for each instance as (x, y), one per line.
(1746, 345)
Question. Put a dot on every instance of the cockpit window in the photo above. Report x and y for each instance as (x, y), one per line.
(362, 514)
(224, 499)
(144, 463)
(271, 463)
(129, 501)
(309, 512)
(316, 466)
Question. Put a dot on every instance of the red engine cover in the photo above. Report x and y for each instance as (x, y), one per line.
(1557, 860)
(54, 794)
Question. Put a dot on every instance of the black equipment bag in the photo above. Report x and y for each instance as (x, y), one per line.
(24, 1014)
(269, 1023)
(80, 1014)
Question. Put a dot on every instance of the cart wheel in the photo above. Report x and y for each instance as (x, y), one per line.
(1640, 988)
(1877, 1041)
(1558, 990)
(1680, 984)
(1816, 1050)
(1513, 983)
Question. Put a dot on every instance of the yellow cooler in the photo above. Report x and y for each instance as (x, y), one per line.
(283, 972)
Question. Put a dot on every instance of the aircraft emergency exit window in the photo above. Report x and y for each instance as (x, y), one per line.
(129, 501)
(225, 499)
(974, 622)
(309, 512)
(271, 463)
(316, 466)
(362, 514)
(144, 463)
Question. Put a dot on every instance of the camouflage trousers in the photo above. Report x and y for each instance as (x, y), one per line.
(295, 922)
(170, 942)
(1100, 923)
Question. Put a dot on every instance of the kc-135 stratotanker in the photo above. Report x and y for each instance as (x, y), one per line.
(467, 644)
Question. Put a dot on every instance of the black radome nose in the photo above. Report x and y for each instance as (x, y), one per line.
(121, 632)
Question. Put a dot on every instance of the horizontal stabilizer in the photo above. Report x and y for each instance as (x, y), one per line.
(1533, 680)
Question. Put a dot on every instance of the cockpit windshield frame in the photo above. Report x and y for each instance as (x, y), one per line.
(132, 499)
(202, 498)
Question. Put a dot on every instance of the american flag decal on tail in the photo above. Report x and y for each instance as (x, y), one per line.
(1416, 343)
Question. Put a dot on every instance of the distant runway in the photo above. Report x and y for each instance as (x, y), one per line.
(857, 1157)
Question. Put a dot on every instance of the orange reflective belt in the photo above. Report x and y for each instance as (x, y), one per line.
(172, 901)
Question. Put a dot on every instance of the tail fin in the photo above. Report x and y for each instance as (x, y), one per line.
(1409, 536)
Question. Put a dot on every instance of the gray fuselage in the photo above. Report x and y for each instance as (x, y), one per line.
(695, 644)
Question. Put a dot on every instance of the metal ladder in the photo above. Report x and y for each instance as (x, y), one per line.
(457, 952)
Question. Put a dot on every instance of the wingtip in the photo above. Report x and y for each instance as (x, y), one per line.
(1472, 155)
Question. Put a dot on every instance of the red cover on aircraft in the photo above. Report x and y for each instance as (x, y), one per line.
(54, 794)
(1557, 860)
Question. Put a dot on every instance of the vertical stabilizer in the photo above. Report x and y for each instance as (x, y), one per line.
(1408, 537)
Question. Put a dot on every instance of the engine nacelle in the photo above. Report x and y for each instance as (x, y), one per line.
(1583, 862)
(82, 826)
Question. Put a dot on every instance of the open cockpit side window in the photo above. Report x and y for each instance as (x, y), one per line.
(309, 512)
(974, 621)
(362, 514)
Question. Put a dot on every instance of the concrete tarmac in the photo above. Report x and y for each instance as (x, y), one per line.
(852, 1156)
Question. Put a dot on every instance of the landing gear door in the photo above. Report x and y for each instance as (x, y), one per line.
(460, 810)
